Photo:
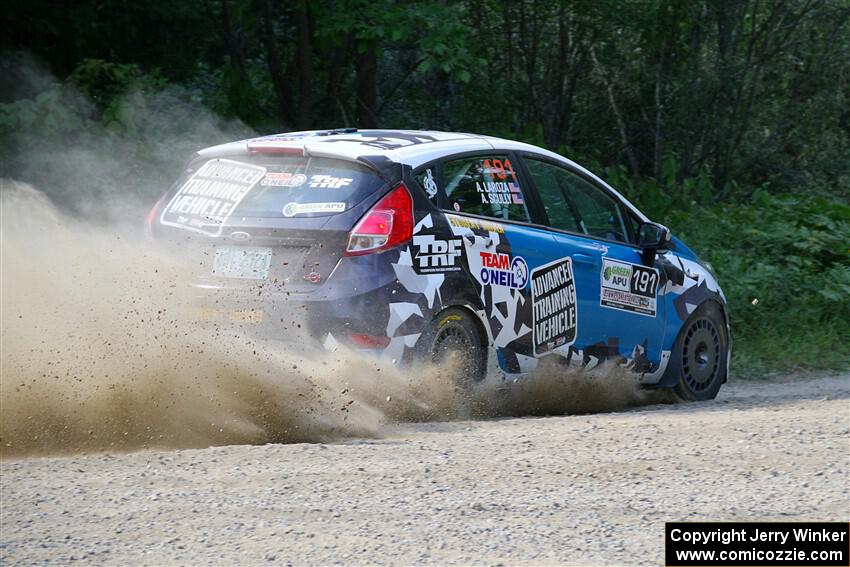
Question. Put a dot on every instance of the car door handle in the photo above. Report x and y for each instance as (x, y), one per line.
(585, 259)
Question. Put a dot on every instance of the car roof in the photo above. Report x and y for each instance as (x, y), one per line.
(409, 147)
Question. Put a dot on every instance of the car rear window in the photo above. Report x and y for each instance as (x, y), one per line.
(264, 185)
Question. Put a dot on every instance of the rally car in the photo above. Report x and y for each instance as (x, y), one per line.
(415, 244)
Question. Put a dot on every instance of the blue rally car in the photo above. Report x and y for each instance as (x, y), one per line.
(415, 244)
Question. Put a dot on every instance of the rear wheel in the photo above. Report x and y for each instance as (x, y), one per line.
(452, 339)
(702, 349)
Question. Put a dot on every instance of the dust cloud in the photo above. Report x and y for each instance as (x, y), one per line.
(99, 354)
(99, 348)
(554, 389)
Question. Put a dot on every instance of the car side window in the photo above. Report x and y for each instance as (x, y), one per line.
(599, 213)
(486, 186)
(633, 223)
(576, 205)
(551, 183)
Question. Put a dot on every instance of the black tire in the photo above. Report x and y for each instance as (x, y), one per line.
(454, 332)
(702, 351)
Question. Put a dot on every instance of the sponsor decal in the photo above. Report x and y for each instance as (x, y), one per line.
(292, 209)
(475, 224)
(387, 140)
(283, 179)
(500, 269)
(629, 287)
(429, 184)
(208, 198)
(553, 300)
(500, 169)
(436, 255)
(504, 191)
(499, 193)
(329, 182)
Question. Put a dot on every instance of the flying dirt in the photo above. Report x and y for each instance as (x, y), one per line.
(100, 352)
(573, 490)
(226, 436)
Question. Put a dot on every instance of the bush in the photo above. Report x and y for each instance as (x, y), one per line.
(109, 134)
(790, 252)
(112, 129)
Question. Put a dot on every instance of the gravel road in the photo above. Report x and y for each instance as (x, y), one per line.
(587, 489)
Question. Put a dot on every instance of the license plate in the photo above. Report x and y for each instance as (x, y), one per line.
(219, 315)
(242, 262)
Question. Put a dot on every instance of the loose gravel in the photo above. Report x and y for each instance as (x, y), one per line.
(577, 490)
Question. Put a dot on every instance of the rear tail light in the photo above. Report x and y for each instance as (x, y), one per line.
(387, 224)
(361, 340)
(151, 216)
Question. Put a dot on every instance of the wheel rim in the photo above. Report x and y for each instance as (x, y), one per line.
(701, 355)
(453, 341)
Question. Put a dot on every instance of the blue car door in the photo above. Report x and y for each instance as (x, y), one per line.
(620, 319)
(507, 256)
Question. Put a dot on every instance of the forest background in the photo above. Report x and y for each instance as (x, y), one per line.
(726, 120)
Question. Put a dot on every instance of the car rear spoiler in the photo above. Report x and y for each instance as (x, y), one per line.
(380, 164)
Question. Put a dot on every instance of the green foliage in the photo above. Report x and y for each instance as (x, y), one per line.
(103, 81)
(791, 253)
(434, 31)
(727, 121)
(783, 262)
(127, 130)
(659, 198)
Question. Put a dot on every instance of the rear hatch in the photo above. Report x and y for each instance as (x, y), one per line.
(279, 222)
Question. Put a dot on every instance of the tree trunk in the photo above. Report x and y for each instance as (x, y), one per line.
(366, 65)
(304, 56)
(234, 47)
(659, 116)
(273, 60)
(621, 123)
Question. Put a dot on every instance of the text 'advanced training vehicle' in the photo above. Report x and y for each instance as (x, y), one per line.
(414, 244)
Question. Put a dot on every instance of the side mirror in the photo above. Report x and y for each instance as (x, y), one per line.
(652, 235)
(651, 238)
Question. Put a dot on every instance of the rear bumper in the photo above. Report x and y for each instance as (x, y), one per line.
(295, 318)
(356, 298)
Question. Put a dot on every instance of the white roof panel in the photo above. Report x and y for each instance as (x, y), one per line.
(409, 147)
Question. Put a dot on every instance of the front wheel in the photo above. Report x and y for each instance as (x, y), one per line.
(702, 349)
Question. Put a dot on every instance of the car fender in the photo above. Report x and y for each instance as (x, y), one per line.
(689, 284)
